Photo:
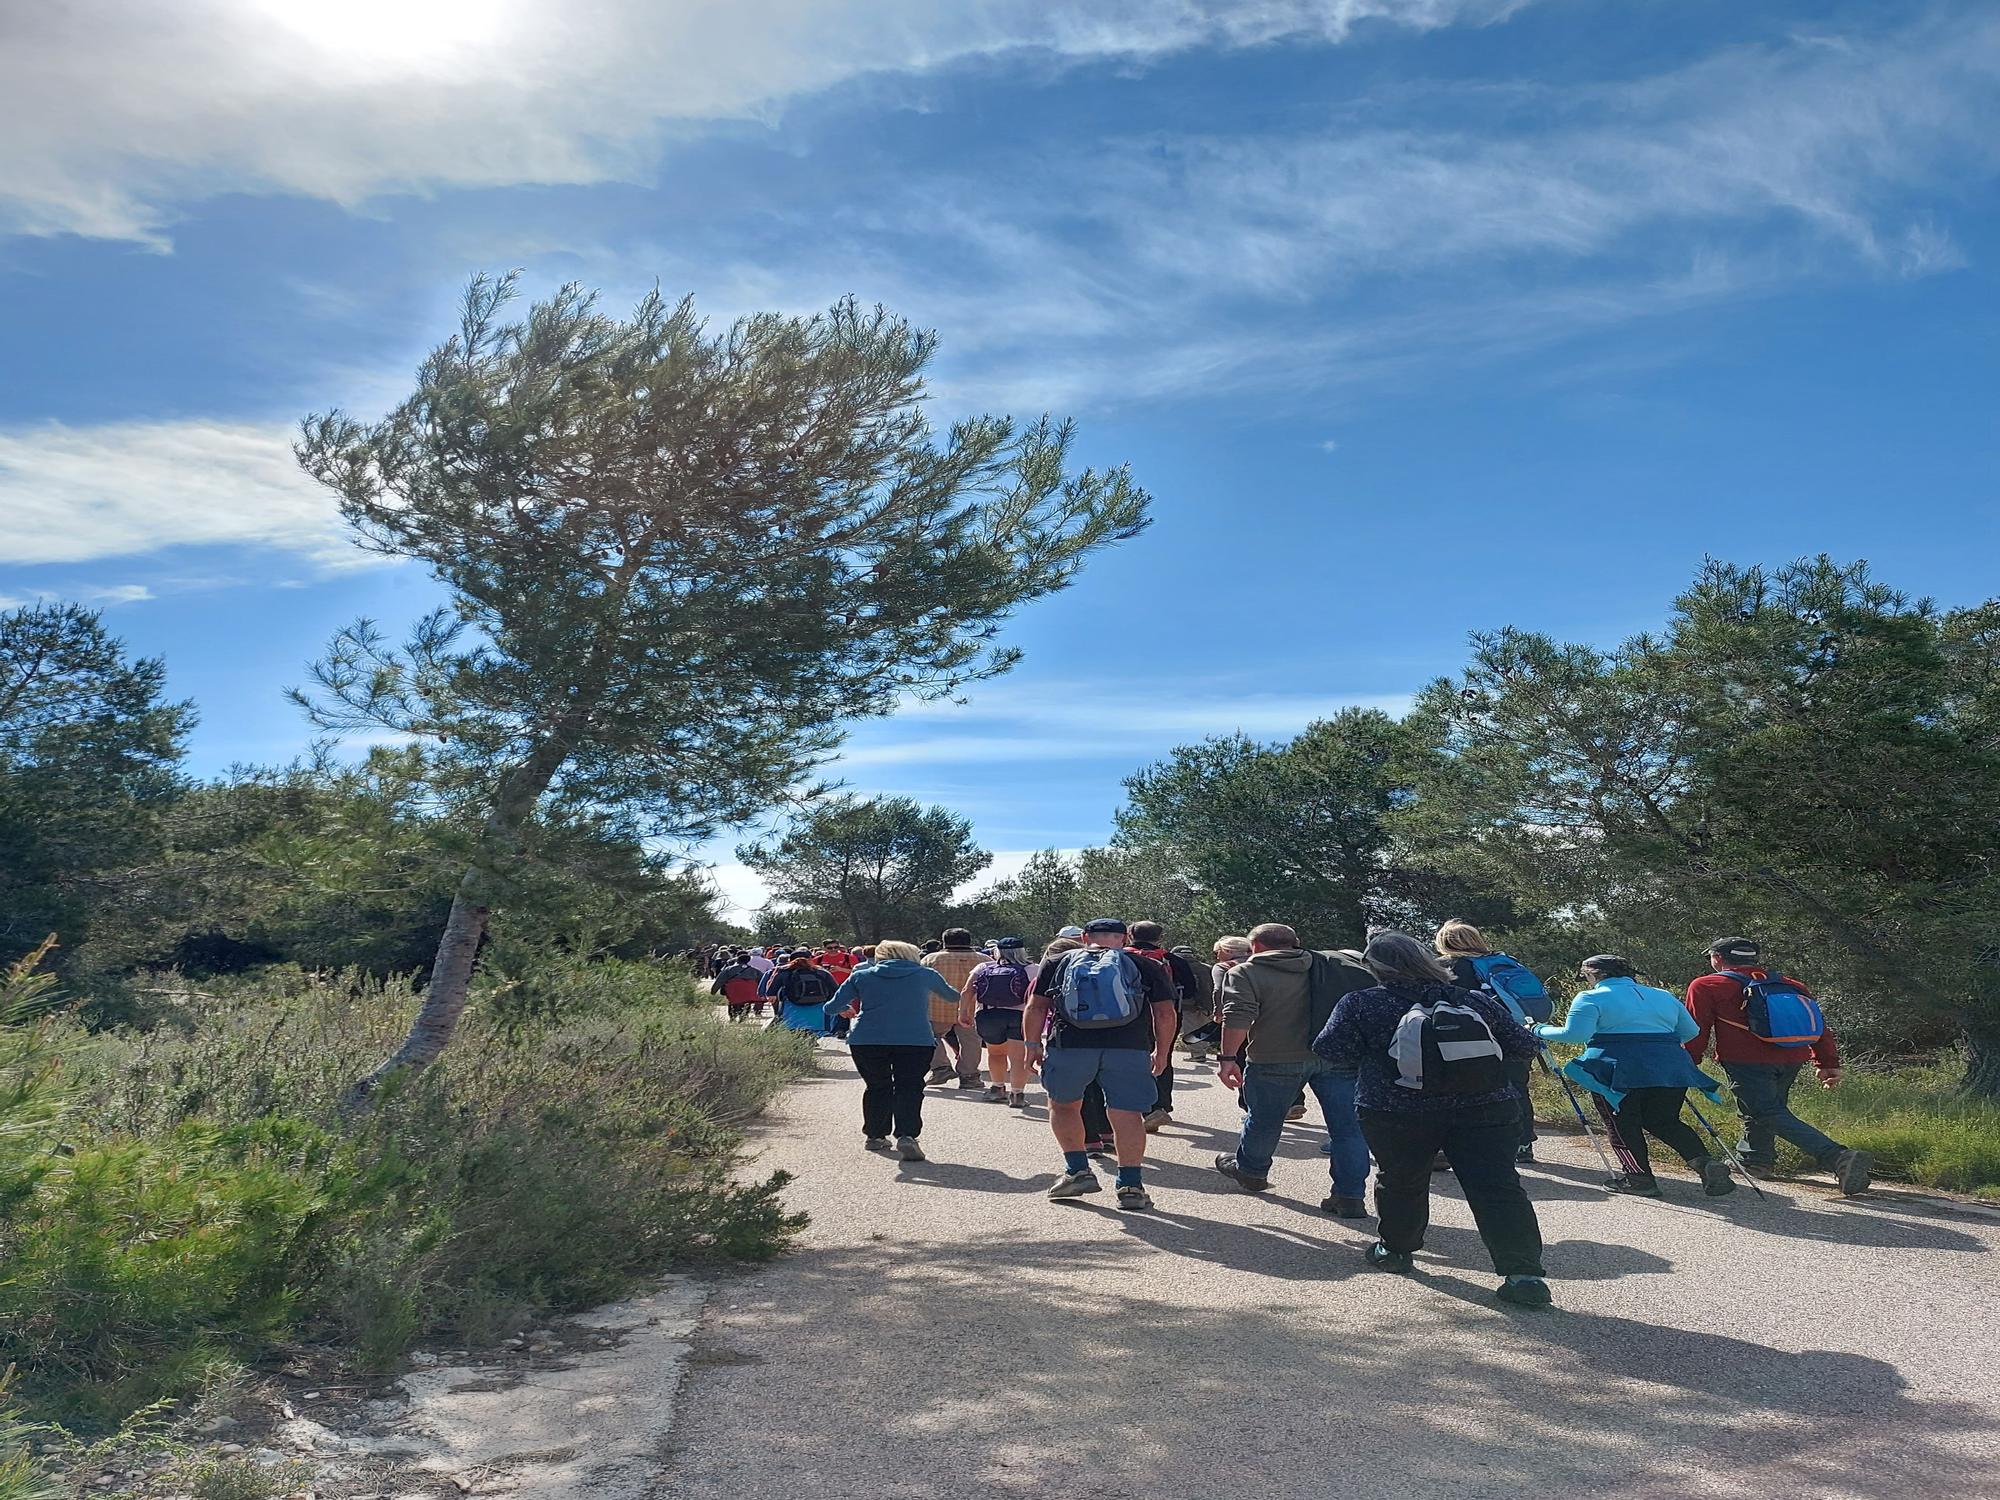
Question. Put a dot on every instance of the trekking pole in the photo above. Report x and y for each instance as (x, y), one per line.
(1577, 1105)
(1728, 1151)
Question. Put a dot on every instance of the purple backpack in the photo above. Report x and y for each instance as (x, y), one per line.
(998, 986)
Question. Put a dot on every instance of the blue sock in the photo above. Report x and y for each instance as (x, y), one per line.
(1076, 1161)
(1128, 1176)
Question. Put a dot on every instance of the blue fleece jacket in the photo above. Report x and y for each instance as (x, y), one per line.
(894, 1003)
(1634, 1034)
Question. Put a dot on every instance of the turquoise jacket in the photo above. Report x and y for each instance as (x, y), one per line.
(1633, 1034)
(894, 997)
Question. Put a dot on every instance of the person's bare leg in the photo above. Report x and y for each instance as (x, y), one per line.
(1010, 1062)
(1066, 1120)
(1128, 1131)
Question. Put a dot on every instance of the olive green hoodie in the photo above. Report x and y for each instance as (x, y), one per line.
(1268, 995)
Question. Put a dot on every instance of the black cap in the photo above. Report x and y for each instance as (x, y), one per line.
(1104, 924)
(1738, 948)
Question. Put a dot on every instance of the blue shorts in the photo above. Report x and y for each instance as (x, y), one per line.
(1124, 1073)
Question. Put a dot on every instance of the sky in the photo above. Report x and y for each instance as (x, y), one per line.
(1416, 317)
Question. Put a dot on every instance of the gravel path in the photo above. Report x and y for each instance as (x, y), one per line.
(944, 1330)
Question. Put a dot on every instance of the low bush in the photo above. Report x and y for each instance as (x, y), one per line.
(204, 1196)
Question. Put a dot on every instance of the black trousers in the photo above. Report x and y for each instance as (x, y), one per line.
(1519, 1071)
(1479, 1142)
(1163, 1097)
(1096, 1119)
(1657, 1112)
(894, 1096)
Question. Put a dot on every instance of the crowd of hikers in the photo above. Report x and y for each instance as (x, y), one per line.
(1418, 1056)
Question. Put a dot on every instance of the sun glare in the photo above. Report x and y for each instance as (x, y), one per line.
(412, 34)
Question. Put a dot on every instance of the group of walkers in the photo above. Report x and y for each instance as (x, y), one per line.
(1418, 1057)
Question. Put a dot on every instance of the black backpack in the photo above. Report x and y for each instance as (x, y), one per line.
(810, 986)
(1443, 1045)
(1330, 977)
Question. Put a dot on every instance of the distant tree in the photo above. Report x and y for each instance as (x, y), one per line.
(1804, 754)
(88, 757)
(1139, 885)
(884, 867)
(1037, 902)
(1300, 832)
(677, 561)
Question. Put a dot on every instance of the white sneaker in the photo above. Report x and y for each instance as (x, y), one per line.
(1076, 1184)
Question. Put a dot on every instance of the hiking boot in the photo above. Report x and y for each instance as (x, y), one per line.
(1296, 1112)
(1634, 1184)
(1076, 1184)
(937, 1075)
(1715, 1178)
(1229, 1167)
(1763, 1171)
(1524, 1155)
(1133, 1196)
(1853, 1170)
(1344, 1208)
(1155, 1118)
(908, 1149)
(1017, 1101)
(875, 1143)
(1381, 1258)
(996, 1093)
(969, 1083)
(1525, 1291)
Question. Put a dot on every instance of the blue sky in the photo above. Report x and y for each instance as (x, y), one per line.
(1416, 316)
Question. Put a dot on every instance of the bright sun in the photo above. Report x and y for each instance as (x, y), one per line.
(394, 33)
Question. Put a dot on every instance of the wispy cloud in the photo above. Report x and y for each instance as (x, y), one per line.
(117, 111)
(106, 595)
(78, 494)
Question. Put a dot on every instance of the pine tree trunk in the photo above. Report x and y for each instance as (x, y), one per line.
(450, 984)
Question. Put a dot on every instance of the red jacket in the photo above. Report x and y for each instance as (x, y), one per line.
(1716, 1003)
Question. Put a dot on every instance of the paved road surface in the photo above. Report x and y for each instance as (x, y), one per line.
(943, 1330)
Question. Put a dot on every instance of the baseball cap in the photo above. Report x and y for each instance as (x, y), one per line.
(1008, 942)
(1741, 948)
(1071, 932)
(1104, 924)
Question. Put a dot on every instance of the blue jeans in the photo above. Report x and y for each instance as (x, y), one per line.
(1268, 1092)
(1762, 1094)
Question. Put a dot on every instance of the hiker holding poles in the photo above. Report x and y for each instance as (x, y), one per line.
(1635, 1064)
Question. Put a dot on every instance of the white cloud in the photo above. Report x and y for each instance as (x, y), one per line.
(117, 110)
(75, 494)
(743, 890)
(106, 595)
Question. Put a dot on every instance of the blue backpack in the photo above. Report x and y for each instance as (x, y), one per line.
(1101, 988)
(1780, 1011)
(1514, 986)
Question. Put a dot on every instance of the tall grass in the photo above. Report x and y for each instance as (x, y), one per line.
(202, 1195)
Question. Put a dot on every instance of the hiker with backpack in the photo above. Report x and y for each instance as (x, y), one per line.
(1111, 1019)
(1274, 1004)
(954, 959)
(1148, 940)
(1474, 965)
(800, 990)
(888, 1004)
(992, 1004)
(1430, 1077)
(1766, 1027)
(1632, 1036)
(738, 985)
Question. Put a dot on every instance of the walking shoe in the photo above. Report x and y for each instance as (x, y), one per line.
(969, 1083)
(1524, 1291)
(1017, 1100)
(908, 1149)
(1853, 1170)
(1715, 1178)
(1228, 1166)
(1098, 1148)
(1635, 1184)
(937, 1075)
(1134, 1196)
(1076, 1184)
(997, 1092)
(1439, 1164)
(1523, 1155)
(876, 1142)
(1381, 1258)
(1155, 1118)
(1763, 1171)
(1296, 1112)
(1344, 1208)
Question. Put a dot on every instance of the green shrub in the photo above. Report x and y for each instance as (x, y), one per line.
(21, 1478)
(212, 1199)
